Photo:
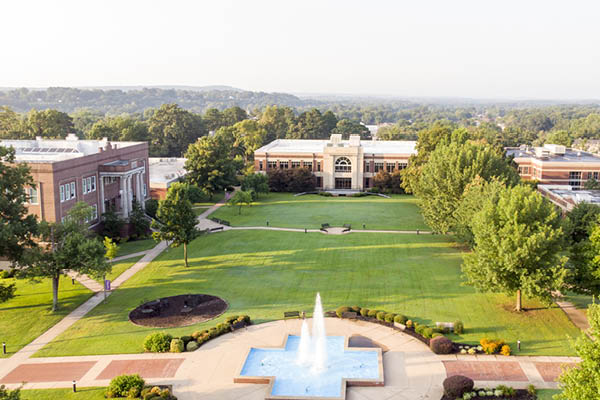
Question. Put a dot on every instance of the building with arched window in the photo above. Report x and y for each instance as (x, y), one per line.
(336, 163)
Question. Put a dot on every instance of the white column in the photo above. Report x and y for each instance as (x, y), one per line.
(130, 193)
(138, 189)
(101, 190)
(124, 196)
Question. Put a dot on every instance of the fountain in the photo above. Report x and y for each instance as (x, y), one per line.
(312, 366)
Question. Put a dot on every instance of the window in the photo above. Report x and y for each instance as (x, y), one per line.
(308, 164)
(367, 166)
(89, 184)
(32, 194)
(260, 166)
(134, 164)
(523, 170)
(62, 193)
(144, 189)
(378, 167)
(295, 164)
(107, 180)
(283, 164)
(588, 175)
(84, 186)
(596, 176)
(390, 167)
(402, 165)
(367, 182)
(319, 166)
(342, 164)
(575, 178)
(73, 193)
(271, 164)
(94, 212)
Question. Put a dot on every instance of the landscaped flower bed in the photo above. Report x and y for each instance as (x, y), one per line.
(458, 387)
(161, 342)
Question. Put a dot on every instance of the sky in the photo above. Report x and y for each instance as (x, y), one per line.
(478, 49)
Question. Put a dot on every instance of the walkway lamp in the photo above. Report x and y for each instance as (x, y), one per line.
(519, 345)
(74, 387)
(267, 222)
(4, 347)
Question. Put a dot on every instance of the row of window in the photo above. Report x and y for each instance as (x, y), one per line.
(67, 192)
(88, 184)
(286, 165)
(379, 166)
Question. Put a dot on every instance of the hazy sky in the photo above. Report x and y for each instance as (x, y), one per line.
(484, 48)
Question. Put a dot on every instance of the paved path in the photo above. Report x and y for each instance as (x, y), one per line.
(576, 315)
(132, 255)
(411, 370)
(331, 231)
(86, 281)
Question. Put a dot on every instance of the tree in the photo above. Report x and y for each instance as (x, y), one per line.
(233, 115)
(48, 124)
(151, 207)
(518, 243)
(277, 121)
(447, 173)
(112, 224)
(121, 128)
(7, 292)
(559, 137)
(70, 245)
(176, 219)
(278, 180)
(300, 180)
(591, 184)
(580, 221)
(309, 125)
(11, 126)
(210, 164)
(582, 382)
(256, 183)
(111, 252)
(382, 181)
(249, 136)
(6, 394)
(584, 264)
(213, 119)
(138, 221)
(172, 129)
(239, 198)
(84, 119)
(346, 127)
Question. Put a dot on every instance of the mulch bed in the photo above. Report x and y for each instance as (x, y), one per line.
(182, 310)
(520, 394)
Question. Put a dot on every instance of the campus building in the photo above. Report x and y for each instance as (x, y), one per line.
(102, 173)
(163, 173)
(556, 165)
(336, 163)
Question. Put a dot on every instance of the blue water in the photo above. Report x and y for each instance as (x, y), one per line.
(292, 379)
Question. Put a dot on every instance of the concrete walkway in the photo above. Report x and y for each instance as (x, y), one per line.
(411, 370)
(132, 255)
(86, 281)
(577, 316)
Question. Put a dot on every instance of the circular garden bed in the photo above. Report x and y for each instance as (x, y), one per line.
(182, 310)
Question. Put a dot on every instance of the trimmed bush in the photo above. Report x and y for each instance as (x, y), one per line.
(125, 385)
(427, 332)
(231, 319)
(389, 317)
(409, 323)
(186, 339)
(355, 309)
(373, 313)
(441, 345)
(419, 328)
(436, 334)
(381, 315)
(364, 312)
(191, 346)
(457, 385)
(459, 328)
(341, 310)
(505, 350)
(158, 342)
(491, 346)
(177, 346)
(401, 319)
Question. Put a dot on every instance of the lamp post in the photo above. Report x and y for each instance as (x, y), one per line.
(74, 387)
(4, 347)
(519, 345)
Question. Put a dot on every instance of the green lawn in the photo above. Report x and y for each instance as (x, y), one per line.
(91, 393)
(546, 394)
(120, 267)
(199, 210)
(579, 300)
(28, 315)
(264, 273)
(211, 202)
(135, 246)
(310, 211)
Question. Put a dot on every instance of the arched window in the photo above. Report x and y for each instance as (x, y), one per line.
(342, 164)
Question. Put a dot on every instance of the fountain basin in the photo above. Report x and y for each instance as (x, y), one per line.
(288, 379)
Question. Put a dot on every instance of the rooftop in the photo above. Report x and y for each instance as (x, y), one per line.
(165, 170)
(42, 150)
(552, 153)
(567, 198)
(317, 146)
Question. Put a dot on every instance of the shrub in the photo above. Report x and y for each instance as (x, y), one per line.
(409, 323)
(491, 346)
(457, 385)
(436, 334)
(125, 385)
(151, 207)
(177, 346)
(341, 310)
(419, 329)
(364, 312)
(158, 342)
(401, 319)
(191, 346)
(530, 389)
(355, 309)
(186, 339)
(459, 328)
(231, 319)
(505, 350)
(373, 313)
(390, 317)
(325, 194)
(381, 315)
(9, 273)
(245, 318)
(427, 332)
(441, 345)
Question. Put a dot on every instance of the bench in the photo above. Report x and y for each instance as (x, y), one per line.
(348, 226)
(349, 314)
(325, 226)
(291, 314)
(220, 228)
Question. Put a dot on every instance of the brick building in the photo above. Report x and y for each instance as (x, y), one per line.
(103, 174)
(556, 165)
(336, 163)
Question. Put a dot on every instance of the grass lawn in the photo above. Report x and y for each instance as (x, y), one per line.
(135, 246)
(546, 394)
(310, 211)
(84, 393)
(28, 315)
(264, 273)
(211, 202)
(200, 209)
(120, 267)
(579, 300)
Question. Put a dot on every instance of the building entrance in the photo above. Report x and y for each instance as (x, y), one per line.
(343, 183)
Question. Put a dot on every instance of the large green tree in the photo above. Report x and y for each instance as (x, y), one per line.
(121, 128)
(518, 243)
(346, 127)
(11, 125)
(277, 121)
(239, 198)
(69, 246)
(256, 183)
(447, 173)
(176, 221)
(210, 163)
(48, 124)
(584, 264)
(309, 125)
(249, 136)
(172, 129)
(582, 382)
